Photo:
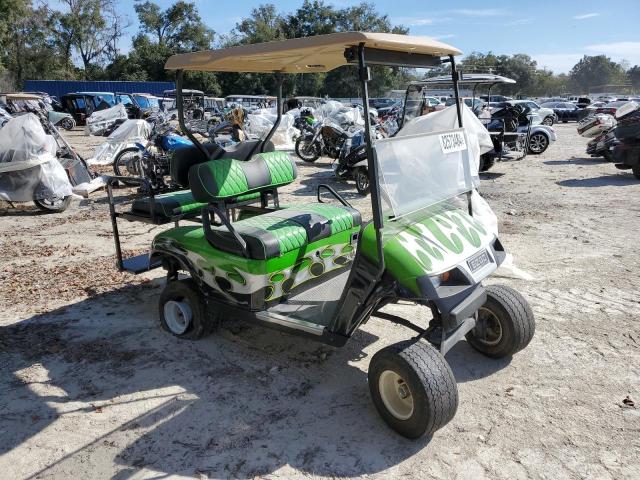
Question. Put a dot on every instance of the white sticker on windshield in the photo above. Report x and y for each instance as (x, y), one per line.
(452, 142)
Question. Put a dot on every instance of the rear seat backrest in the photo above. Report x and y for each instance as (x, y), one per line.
(228, 178)
(185, 158)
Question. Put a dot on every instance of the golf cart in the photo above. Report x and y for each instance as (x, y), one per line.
(319, 271)
(21, 102)
(513, 128)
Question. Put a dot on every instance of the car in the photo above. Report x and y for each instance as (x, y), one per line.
(564, 111)
(495, 98)
(611, 107)
(547, 115)
(379, 103)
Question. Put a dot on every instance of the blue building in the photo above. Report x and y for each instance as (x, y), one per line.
(58, 88)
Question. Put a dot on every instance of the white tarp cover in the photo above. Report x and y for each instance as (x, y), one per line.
(478, 142)
(261, 121)
(339, 113)
(100, 120)
(29, 169)
(126, 135)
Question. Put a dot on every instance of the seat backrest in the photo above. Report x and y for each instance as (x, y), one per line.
(226, 178)
(185, 158)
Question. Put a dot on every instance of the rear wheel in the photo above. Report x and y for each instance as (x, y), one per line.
(361, 177)
(53, 205)
(127, 164)
(67, 123)
(307, 150)
(413, 388)
(505, 323)
(183, 311)
(548, 121)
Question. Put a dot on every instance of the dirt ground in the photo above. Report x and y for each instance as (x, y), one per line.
(92, 388)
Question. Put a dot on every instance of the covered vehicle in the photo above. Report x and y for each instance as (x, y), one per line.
(81, 105)
(29, 167)
(24, 102)
(316, 269)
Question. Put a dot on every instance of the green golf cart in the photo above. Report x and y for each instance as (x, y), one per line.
(317, 269)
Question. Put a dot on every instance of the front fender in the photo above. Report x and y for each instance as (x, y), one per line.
(436, 240)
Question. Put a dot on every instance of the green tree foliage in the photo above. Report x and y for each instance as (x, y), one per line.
(596, 70)
(634, 76)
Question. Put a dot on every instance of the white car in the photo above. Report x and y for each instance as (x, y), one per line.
(547, 115)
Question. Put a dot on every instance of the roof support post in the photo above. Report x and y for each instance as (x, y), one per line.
(280, 80)
(372, 166)
(181, 122)
(455, 77)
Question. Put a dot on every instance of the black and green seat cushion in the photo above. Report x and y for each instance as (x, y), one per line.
(276, 233)
(185, 158)
(168, 205)
(224, 179)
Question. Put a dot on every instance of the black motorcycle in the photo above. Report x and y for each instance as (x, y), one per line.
(326, 138)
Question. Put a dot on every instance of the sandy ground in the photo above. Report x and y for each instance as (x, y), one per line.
(92, 388)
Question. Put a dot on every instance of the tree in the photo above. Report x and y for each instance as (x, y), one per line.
(595, 70)
(634, 76)
(92, 28)
(178, 28)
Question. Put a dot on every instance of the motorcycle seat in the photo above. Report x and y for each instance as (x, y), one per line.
(291, 229)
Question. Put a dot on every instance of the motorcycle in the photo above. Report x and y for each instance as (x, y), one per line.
(151, 161)
(326, 138)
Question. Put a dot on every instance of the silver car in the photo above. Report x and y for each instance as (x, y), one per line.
(547, 115)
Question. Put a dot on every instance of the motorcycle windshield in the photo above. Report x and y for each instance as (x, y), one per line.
(418, 171)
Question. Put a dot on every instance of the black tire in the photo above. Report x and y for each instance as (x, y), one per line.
(202, 322)
(606, 154)
(486, 162)
(431, 386)
(361, 176)
(67, 123)
(636, 171)
(509, 323)
(55, 205)
(538, 143)
(120, 169)
(306, 151)
(565, 121)
(548, 120)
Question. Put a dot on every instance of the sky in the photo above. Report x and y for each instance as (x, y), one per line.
(555, 33)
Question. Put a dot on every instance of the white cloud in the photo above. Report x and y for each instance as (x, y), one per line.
(520, 21)
(618, 51)
(483, 12)
(444, 36)
(413, 22)
(557, 62)
(584, 16)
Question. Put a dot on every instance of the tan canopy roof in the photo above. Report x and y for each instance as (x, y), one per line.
(303, 55)
(21, 96)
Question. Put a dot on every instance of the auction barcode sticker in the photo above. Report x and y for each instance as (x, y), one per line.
(452, 142)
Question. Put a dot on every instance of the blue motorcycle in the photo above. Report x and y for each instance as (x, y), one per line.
(151, 161)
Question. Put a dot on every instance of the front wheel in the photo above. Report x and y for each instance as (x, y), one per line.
(505, 323)
(183, 311)
(361, 177)
(538, 143)
(53, 205)
(413, 388)
(548, 121)
(127, 164)
(307, 150)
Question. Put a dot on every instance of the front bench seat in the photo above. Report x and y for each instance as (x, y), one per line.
(274, 233)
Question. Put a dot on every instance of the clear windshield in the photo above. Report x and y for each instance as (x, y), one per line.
(413, 103)
(418, 171)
